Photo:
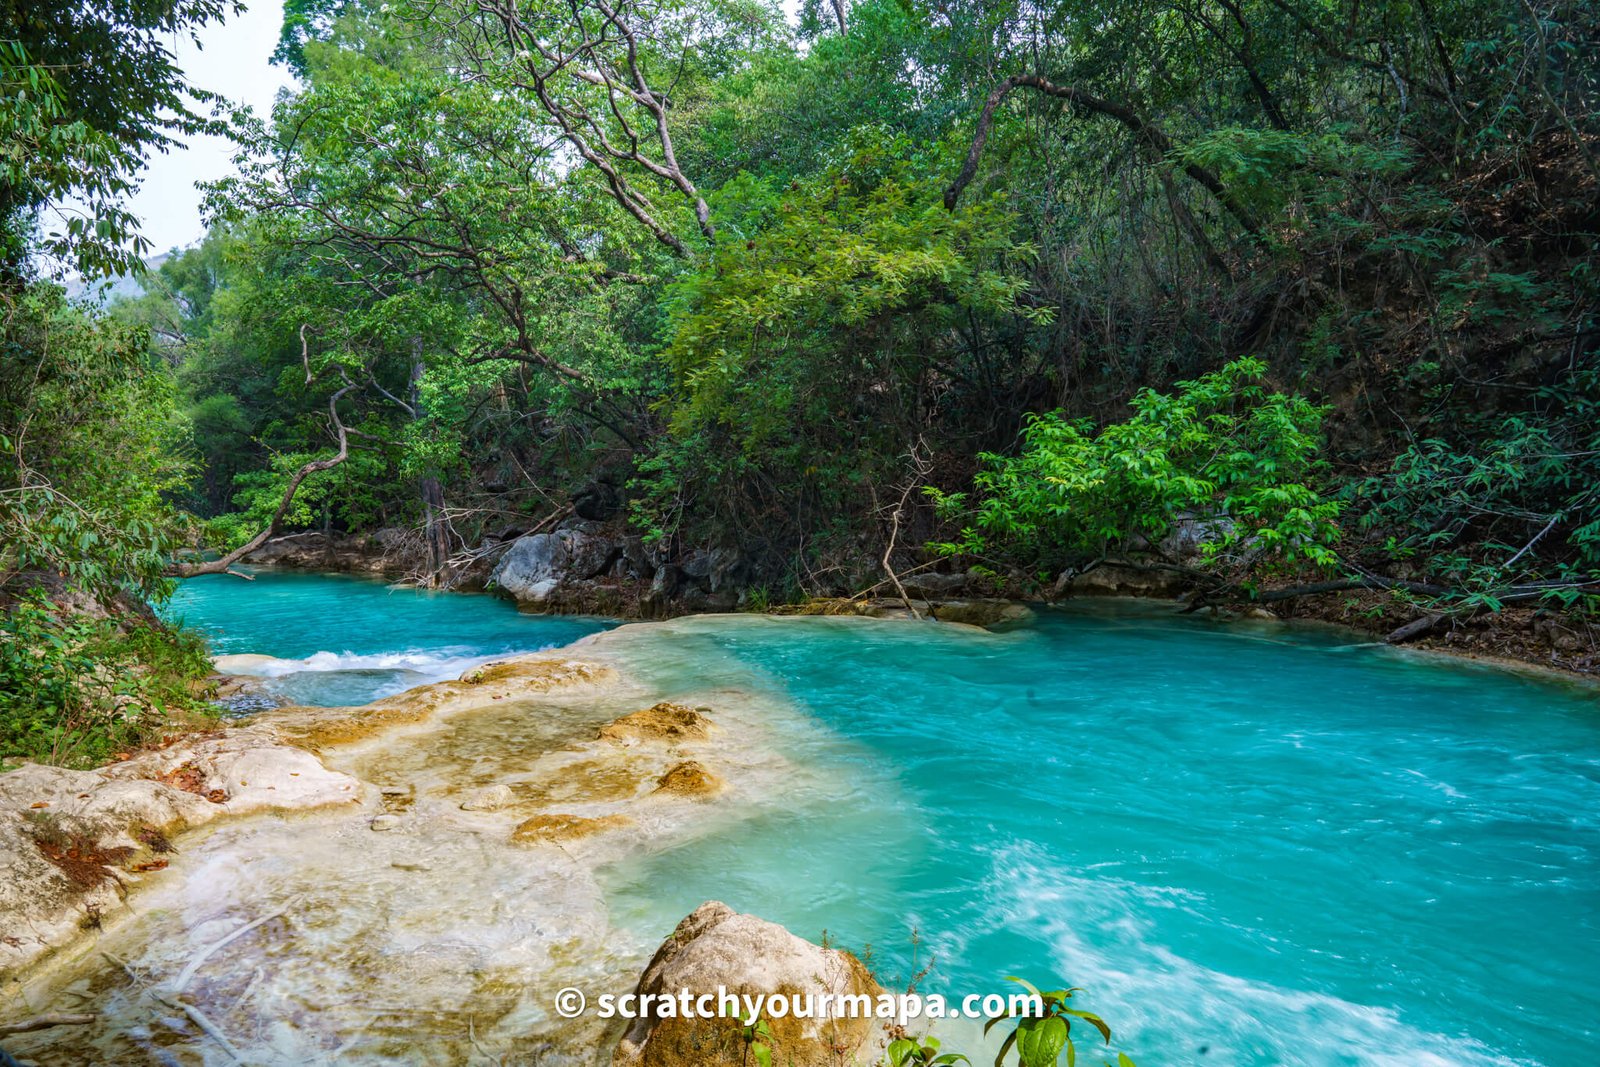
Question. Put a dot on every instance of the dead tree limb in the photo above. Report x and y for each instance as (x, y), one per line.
(597, 47)
(1419, 627)
(919, 474)
(223, 564)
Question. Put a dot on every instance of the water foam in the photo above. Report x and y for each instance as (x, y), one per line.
(1154, 996)
(339, 678)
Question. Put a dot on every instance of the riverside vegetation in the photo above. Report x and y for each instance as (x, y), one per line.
(1023, 285)
(1007, 291)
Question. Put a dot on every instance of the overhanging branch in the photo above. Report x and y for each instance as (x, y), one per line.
(1146, 132)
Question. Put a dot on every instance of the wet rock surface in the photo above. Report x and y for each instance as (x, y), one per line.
(689, 779)
(662, 722)
(72, 843)
(435, 913)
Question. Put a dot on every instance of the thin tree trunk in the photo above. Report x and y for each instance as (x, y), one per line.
(435, 532)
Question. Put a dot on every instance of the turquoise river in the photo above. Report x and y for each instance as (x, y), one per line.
(1253, 844)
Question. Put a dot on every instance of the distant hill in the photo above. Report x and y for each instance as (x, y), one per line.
(103, 292)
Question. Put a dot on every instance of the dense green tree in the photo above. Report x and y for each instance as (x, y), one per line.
(777, 278)
(87, 90)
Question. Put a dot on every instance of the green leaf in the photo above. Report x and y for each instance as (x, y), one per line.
(1040, 1041)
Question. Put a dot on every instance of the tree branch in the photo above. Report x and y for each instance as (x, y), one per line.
(1144, 131)
(222, 564)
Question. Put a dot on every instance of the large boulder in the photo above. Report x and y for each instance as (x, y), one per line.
(536, 567)
(1112, 580)
(1186, 541)
(532, 567)
(716, 949)
(730, 570)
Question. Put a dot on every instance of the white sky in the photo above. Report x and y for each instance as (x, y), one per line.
(232, 61)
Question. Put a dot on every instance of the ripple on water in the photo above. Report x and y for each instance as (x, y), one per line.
(1266, 843)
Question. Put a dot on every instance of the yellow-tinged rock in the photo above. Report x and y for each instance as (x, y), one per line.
(554, 829)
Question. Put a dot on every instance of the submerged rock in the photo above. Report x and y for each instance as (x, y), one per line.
(982, 612)
(689, 779)
(554, 829)
(716, 948)
(660, 722)
(489, 798)
(321, 728)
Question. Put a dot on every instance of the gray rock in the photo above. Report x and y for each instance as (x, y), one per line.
(1109, 580)
(729, 570)
(697, 566)
(667, 582)
(532, 567)
(589, 553)
(1186, 540)
(641, 561)
(535, 566)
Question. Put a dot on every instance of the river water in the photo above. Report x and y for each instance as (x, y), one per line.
(1251, 844)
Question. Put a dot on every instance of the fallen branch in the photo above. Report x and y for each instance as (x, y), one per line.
(1416, 628)
(206, 953)
(198, 1017)
(46, 1022)
(224, 564)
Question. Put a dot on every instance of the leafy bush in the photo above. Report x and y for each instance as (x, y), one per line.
(75, 689)
(1037, 1040)
(1504, 511)
(1222, 448)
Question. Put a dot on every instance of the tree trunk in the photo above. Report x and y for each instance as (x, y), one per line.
(435, 530)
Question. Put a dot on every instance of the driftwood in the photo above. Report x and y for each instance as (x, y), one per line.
(45, 1022)
(187, 974)
(1416, 628)
(199, 1018)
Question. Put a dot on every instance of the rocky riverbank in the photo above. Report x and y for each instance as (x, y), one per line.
(432, 854)
(588, 567)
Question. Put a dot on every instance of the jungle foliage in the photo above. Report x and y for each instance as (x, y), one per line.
(1077, 270)
(1057, 277)
(94, 443)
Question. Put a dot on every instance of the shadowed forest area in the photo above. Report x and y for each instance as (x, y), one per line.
(900, 286)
